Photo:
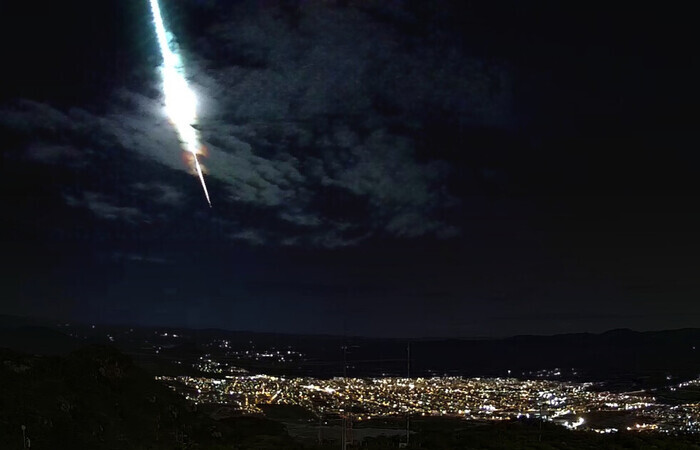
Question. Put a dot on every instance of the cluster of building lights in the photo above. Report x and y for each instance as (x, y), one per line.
(472, 398)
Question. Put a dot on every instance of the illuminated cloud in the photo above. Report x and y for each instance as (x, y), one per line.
(308, 141)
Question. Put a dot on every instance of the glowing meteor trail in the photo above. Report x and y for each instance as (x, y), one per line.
(180, 101)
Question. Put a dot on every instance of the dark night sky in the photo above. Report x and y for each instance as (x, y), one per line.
(385, 168)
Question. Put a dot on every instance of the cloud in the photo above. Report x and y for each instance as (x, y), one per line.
(160, 193)
(104, 209)
(301, 218)
(310, 130)
(138, 257)
(252, 237)
(50, 153)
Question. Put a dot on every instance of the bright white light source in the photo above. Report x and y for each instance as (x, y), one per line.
(180, 100)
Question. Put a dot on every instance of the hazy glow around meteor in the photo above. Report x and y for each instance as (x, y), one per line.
(180, 100)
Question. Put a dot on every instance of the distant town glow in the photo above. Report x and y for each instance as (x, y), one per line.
(492, 399)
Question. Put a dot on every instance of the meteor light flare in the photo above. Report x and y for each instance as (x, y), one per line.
(180, 100)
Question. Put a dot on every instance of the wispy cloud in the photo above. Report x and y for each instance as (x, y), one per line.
(102, 207)
(310, 130)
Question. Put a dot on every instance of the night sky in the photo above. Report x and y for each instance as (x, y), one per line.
(385, 168)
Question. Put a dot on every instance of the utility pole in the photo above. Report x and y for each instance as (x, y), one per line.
(320, 426)
(408, 376)
(347, 413)
(539, 437)
(344, 424)
(344, 438)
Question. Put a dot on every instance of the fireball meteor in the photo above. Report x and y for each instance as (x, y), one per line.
(180, 100)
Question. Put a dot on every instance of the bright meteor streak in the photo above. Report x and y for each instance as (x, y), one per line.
(180, 101)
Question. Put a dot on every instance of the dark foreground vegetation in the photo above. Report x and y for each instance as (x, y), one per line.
(97, 398)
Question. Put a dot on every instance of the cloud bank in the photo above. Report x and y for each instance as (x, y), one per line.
(311, 127)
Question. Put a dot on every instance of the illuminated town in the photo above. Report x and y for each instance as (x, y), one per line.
(493, 399)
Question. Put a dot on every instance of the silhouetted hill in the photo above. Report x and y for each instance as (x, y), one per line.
(453, 434)
(630, 358)
(637, 358)
(96, 398)
(37, 340)
(8, 321)
(611, 354)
